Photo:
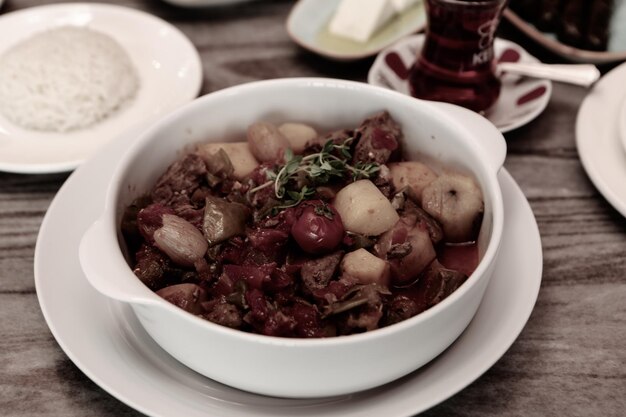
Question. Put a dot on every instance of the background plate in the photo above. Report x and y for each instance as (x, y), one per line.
(617, 50)
(598, 139)
(308, 21)
(169, 69)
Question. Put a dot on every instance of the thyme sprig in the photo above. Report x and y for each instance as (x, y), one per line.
(332, 161)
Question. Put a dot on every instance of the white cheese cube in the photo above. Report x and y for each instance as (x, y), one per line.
(402, 5)
(359, 19)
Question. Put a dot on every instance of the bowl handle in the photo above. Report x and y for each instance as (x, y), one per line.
(106, 269)
(491, 142)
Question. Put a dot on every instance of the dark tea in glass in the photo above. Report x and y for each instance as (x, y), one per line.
(456, 64)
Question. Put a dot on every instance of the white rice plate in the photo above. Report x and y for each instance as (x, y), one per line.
(65, 79)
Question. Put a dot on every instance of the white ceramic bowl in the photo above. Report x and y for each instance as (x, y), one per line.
(285, 367)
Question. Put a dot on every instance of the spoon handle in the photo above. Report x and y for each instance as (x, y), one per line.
(579, 74)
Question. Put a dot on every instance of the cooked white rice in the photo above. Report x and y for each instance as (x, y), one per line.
(65, 79)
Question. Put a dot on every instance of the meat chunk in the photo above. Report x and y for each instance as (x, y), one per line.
(255, 276)
(337, 137)
(266, 318)
(222, 312)
(363, 308)
(438, 282)
(378, 137)
(150, 267)
(317, 273)
(400, 308)
(181, 178)
(308, 321)
(268, 241)
(408, 249)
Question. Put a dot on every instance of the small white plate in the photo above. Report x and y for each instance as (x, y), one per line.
(169, 69)
(308, 27)
(106, 341)
(598, 137)
(521, 99)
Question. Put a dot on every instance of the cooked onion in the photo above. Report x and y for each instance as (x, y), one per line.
(180, 240)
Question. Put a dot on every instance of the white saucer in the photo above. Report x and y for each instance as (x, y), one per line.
(308, 22)
(169, 68)
(521, 99)
(598, 137)
(105, 340)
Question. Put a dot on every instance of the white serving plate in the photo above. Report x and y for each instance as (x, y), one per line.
(107, 342)
(598, 137)
(307, 25)
(169, 69)
(521, 99)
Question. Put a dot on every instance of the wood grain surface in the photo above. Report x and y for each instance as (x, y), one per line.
(570, 360)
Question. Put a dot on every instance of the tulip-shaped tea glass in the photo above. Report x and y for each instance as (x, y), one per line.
(456, 63)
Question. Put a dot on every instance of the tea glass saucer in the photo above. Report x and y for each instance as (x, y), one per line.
(521, 99)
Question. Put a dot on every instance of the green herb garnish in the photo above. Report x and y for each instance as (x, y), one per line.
(319, 168)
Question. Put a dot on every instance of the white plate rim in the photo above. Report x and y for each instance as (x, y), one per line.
(621, 120)
(293, 32)
(186, 90)
(539, 106)
(598, 139)
(401, 390)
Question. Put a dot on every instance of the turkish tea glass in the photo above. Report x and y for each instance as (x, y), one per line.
(456, 63)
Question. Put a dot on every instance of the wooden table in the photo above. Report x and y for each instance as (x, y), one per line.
(570, 360)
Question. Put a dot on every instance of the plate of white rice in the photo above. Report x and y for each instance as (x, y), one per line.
(75, 76)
